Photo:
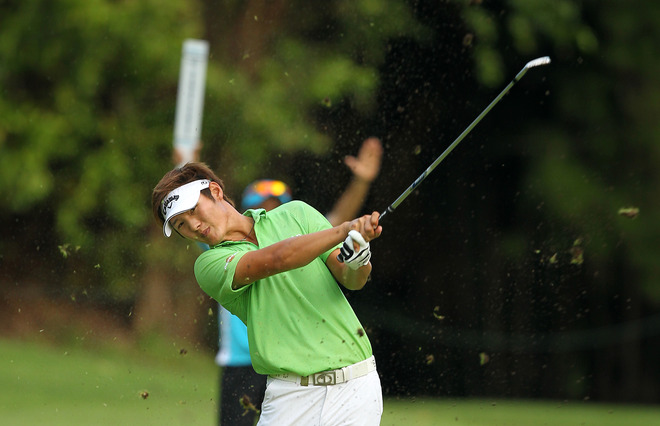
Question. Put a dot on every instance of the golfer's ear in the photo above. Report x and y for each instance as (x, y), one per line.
(216, 191)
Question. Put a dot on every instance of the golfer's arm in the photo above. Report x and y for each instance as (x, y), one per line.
(349, 278)
(292, 253)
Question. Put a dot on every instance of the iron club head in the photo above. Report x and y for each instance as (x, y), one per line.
(544, 60)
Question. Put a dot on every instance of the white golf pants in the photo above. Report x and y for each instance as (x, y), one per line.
(356, 402)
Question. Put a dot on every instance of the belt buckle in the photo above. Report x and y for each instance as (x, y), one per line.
(325, 378)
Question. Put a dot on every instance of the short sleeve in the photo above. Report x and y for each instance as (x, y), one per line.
(215, 269)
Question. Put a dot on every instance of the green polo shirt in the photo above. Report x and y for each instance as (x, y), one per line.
(298, 321)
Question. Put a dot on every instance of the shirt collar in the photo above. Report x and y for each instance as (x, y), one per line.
(256, 214)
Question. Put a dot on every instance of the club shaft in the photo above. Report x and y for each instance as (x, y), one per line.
(451, 147)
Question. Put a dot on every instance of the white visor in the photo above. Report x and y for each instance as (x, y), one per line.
(180, 200)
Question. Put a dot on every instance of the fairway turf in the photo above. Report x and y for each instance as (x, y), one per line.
(58, 385)
(75, 386)
(497, 412)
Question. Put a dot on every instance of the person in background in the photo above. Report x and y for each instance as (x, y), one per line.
(241, 388)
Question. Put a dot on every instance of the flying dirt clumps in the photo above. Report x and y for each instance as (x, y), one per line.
(577, 252)
(629, 212)
(247, 404)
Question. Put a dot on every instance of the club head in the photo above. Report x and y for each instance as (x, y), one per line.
(544, 60)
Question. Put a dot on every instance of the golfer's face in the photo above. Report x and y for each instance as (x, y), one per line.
(199, 222)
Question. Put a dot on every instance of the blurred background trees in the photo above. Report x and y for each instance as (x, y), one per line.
(509, 272)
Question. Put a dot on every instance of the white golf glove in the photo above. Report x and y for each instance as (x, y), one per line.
(349, 256)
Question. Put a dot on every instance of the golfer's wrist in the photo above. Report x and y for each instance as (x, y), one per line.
(345, 229)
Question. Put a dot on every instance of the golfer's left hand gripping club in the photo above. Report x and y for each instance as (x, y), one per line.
(531, 64)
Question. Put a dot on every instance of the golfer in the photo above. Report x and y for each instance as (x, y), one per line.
(278, 272)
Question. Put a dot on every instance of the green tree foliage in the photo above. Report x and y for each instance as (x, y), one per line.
(596, 156)
(524, 27)
(523, 240)
(84, 106)
(278, 63)
(88, 98)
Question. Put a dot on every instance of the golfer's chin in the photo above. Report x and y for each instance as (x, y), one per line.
(210, 239)
(213, 242)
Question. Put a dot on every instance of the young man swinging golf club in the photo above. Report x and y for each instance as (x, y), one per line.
(278, 272)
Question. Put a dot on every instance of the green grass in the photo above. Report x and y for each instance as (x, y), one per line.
(76, 385)
(515, 413)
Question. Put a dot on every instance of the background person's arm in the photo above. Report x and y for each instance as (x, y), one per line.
(365, 168)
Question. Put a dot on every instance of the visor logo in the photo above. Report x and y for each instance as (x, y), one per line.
(167, 203)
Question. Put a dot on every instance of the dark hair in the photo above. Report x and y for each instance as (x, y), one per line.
(179, 177)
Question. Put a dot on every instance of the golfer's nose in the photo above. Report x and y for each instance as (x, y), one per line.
(195, 225)
(191, 223)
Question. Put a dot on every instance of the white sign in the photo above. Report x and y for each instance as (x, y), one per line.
(190, 98)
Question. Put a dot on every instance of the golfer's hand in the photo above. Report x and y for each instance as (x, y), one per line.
(355, 250)
(367, 226)
(354, 257)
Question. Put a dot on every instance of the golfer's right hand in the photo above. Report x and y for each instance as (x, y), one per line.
(367, 226)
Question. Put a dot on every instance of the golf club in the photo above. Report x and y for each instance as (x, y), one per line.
(531, 64)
